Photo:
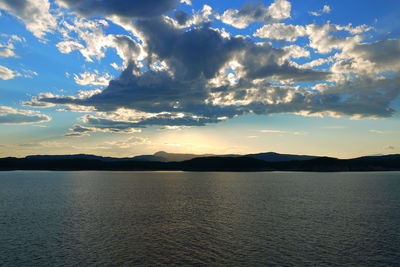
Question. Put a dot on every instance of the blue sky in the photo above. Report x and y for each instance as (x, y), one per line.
(122, 78)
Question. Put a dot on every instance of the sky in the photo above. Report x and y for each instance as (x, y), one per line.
(123, 78)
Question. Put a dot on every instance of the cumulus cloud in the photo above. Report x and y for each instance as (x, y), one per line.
(326, 9)
(376, 57)
(131, 9)
(88, 37)
(280, 31)
(35, 14)
(9, 115)
(194, 57)
(183, 19)
(95, 78)
(253, 12)
(321, 39)
(178, 75)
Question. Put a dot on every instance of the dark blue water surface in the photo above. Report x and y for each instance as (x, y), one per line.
(166, 218)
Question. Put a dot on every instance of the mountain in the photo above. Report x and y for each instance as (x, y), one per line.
(163, 156)
(210, 163)
(168, 157)
(276, 157)
(160, 156)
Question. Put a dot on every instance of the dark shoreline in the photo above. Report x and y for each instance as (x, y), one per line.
(204, 164)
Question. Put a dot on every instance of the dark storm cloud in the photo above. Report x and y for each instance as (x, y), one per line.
(190, 54)
(132, 9)
(162, 120)
(181, 17)
(195, 56)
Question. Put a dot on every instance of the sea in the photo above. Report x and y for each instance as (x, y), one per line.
(91, 218)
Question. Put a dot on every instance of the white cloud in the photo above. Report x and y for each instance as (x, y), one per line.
(88, 37)
(88, 78)
(325, 10)
(253, 12)
(79, 130)
(7, 48)
(272, 131)
(385, 131)
(280, 9)
(7, 74)
(9, 115)
(187, 2)
(35, 14)
(67, 47)
(130, 142)
(280, 31)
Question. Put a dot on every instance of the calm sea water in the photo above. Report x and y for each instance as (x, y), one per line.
(166, 218)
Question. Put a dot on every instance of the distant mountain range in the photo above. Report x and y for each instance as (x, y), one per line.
(269, 161)
(163, 156)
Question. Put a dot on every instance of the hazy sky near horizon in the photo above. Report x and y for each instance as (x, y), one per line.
(122, 78)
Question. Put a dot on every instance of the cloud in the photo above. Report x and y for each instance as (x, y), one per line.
(389, 147)
(187, 2)
(184, 20)
(326, 9)
(272, 131)
(333, 127)
(35, 14)
(253, 12)
(372, 58)
(7, 74)
(385, 131)
(88, 78)
(162, 119)
(88, 37)
(280, 31)
(209, 76)
(130, 142)
(51, 144)
(79, 130)
(7, 48)
(323, 42)
(132, 9)
(9, 116)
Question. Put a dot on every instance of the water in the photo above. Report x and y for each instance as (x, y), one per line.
(167, 218)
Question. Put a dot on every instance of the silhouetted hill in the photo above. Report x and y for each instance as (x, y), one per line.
(163, 156)
(214, 163)
(168, 157)
(276, 157)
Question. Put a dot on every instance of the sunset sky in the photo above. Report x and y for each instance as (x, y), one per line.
(123, 78)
